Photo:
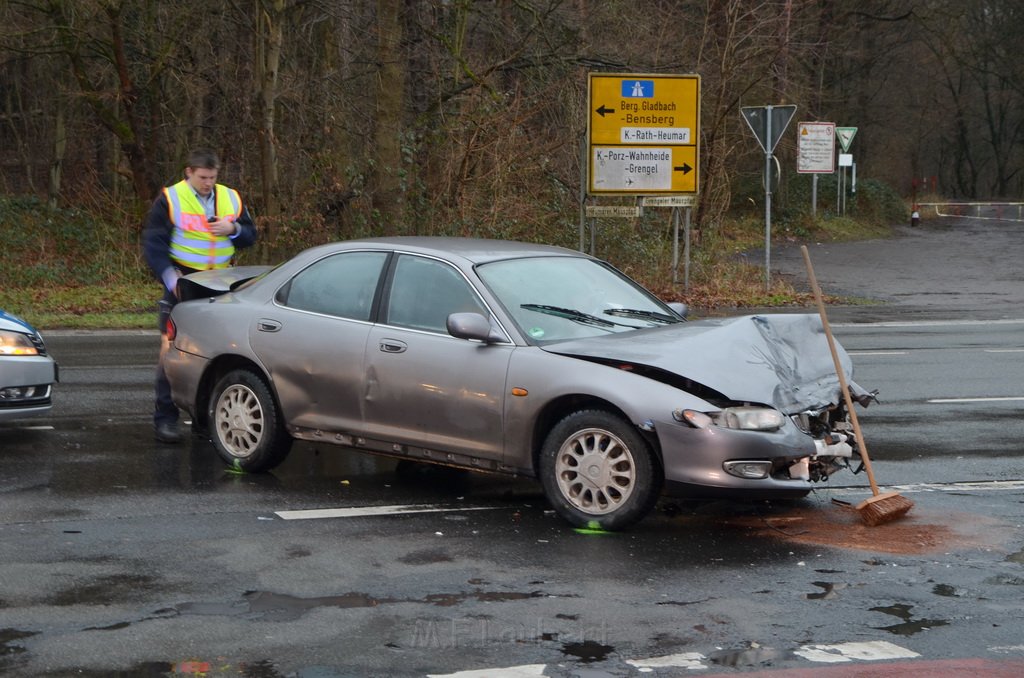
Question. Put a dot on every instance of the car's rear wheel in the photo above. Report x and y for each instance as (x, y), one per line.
(245, 423)
(598, 471)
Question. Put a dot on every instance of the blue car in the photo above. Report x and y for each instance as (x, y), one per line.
(27, 371)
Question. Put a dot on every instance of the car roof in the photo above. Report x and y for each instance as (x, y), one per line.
(474, 250)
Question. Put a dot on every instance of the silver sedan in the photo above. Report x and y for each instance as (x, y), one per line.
(509, 358)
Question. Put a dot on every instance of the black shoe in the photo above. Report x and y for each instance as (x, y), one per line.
(167, 432)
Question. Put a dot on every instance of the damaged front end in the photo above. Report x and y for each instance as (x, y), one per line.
(836, 447)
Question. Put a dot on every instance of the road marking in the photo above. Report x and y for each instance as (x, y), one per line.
(364, 511)
(932, 323)
(971, 485)
(877, 352)
(34, 428)
(684, 660)
(986, 399)
(524, 671)
(1004, 350)
(870, 651)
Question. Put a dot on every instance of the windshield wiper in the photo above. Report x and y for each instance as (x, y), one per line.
(572, 314)
(653, 316)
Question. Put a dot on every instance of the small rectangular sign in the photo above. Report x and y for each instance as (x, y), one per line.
(669, 201)
(846, 160)
(637, 89)
(614, 211)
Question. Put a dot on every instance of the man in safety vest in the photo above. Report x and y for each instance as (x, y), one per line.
(194, 225)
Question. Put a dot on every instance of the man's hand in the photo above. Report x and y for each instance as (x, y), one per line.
(222, 226)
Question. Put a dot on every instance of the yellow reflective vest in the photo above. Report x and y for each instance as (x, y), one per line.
(192, 243)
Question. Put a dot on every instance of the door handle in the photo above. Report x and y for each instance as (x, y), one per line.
(392, 346)
(267, 325)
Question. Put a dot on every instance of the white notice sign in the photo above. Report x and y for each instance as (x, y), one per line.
(620, 168)
(815, 147)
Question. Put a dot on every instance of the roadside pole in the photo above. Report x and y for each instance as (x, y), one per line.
(768, 123)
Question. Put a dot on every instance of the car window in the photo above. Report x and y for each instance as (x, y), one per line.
(342, 285)
(559, 298)
(425, 291)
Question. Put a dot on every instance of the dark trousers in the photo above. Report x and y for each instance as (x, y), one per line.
(164, 410)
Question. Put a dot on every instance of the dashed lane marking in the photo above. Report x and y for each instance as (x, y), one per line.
(983, 399)
(363, 511)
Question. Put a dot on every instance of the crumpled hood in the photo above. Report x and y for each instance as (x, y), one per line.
(212, 283)
(780, 360)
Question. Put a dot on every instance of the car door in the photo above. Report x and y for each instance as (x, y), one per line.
(424, 387)
(312, 339)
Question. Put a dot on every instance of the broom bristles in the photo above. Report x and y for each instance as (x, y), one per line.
(883, 508)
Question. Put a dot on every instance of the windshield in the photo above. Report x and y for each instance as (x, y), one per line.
(559, 298)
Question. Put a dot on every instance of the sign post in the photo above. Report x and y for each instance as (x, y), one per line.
(643, 139)
(845, 136)
(768, 123)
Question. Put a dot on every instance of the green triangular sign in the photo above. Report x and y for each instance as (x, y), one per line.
(845, 136)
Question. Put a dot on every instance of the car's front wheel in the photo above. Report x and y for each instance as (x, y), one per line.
(598, 471)
(245, 423)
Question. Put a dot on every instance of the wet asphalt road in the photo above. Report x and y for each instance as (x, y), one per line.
(120, 556)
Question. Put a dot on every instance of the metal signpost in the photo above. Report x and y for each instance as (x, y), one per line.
(643, 133)
(845, 136)
(815, 153)
(768, 123)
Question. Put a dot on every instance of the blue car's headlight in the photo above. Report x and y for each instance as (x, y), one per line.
(16, 343)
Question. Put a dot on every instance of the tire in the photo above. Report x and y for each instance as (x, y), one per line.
(245, 423)
(598, 471)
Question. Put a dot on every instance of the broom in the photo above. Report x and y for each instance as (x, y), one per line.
(880, 508)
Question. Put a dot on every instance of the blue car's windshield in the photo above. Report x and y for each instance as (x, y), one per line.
(558, 298)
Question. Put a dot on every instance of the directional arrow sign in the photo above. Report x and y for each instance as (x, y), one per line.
(760, 118)
(845, 136)
(643, 132)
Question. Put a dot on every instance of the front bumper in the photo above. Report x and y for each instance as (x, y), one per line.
(694, 460)
(26, 386)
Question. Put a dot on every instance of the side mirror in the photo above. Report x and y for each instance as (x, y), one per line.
(680, 308)
(472, 326)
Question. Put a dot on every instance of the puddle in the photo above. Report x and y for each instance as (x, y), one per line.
(588, 651)
(945, 590)
(753, 656)
(425, 557)
(909, 626)
(104, 590)
(268, 606)
(9, 641)
(829, 590)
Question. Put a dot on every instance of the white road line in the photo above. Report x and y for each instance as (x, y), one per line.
(524, 671)
(932, 323)
(34, 428)
(878, 352)
(973, 485)
(876, 650)
(1004, 350)
(986, 399)
(363, 511)
(870, 651)
(683, 660)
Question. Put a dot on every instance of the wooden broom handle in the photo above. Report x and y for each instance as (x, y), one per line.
(861, 445)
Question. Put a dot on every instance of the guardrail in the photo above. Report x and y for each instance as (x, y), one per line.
(996, 211)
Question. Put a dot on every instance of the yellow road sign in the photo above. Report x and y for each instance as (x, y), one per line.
(643, 133)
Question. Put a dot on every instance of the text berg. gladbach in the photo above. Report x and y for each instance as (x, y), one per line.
(632, 107)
